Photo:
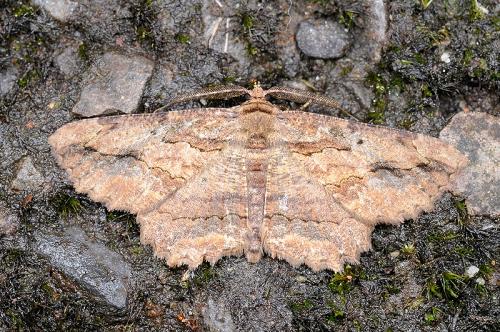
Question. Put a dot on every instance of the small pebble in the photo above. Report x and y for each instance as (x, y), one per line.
(445, 57)
(394, 254)
(322, 39)
(471, 271)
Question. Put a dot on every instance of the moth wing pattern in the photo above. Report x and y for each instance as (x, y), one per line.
(336, 179)
(130, 162)
(177, 171)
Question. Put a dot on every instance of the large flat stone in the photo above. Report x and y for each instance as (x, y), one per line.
(101, 271)
(477, 135)
(114, 85)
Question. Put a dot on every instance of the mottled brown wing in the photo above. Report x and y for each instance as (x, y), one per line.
(332, 180)
(179, 171)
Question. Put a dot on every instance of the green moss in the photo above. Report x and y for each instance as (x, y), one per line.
(230, 79)
(432, 289)
(143, 33)
(11, 256)
(451, 284)
(204, 274)
(50, 291)
(467, 57)
(486, 270)
(183, 38)
(24, 10)
(28, 77)
(461, 207)
(380, 89)
(376, 82)
(247, 21)
(464, 251)
(389, 290)
(336, 314)
(495, 21)
(426, 91)
(136, 250)
(341, 282)
(377, 116)
(474, 12)
(397, 83)
(408, 249)
(67, 205)
(433, 315)
(440, 237)
(83, 51)
(346, 70)
(347, 19)
(480, 68)
(419, 58)
(251, 49)
(407, 123)
(301, 306)
(16, 321)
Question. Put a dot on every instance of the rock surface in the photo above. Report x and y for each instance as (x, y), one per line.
(61, 10)
(28, 177)
(477, 135)
(8, 221)
(68, 61)
(8, 78)
(248, 285)
(114, 85)
(322, 39)
(98, 269)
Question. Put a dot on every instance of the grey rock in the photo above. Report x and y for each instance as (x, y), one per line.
(8, 78)
(114, 85)
(27, 177)
(96, 268)
(322, 39)
(217, 317)
(219, 34)
(477, 135)
(68, 61)
(243, 299)
(61, 10)
(9, 222)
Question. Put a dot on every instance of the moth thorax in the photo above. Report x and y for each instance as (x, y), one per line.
(257, 141)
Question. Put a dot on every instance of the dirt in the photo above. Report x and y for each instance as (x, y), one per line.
(429, 65)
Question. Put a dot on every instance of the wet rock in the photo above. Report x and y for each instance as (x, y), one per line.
(477, 135)
(114, 85)
(9, 222)
(68, 61)
(8, 78)
(217, 317)
(27, 177)
(374, 34)
(220, 30)
(96, 268)
(61, 10)
(243, 298)
(322, 39)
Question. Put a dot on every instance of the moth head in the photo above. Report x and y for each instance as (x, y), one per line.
(257, 91)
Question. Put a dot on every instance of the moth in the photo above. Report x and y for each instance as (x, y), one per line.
(254, 179)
